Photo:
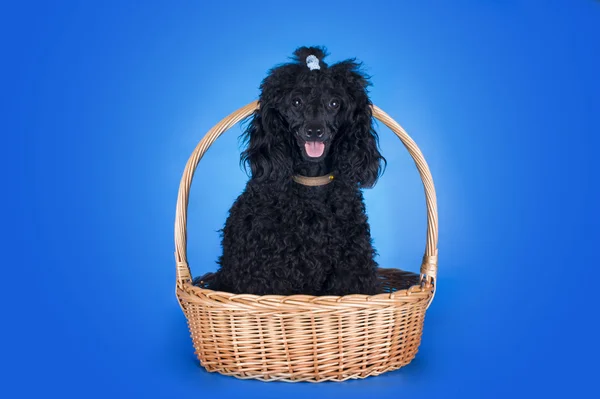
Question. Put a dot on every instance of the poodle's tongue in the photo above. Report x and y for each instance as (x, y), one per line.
(314, 149)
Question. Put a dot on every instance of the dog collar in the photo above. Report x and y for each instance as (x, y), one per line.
(313, 181)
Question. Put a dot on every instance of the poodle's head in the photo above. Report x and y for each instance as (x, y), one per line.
(312, 113)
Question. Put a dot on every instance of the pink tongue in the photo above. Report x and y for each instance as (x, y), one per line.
(314, 149)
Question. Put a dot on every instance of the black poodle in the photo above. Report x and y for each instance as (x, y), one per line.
(300, 227)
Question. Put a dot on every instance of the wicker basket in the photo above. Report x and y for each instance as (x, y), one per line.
(300, 337)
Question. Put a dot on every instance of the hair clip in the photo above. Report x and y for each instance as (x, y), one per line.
(312, 62)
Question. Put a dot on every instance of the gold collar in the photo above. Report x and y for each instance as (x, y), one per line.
(313, 181)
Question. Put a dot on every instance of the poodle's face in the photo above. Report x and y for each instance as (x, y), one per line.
(314, 114)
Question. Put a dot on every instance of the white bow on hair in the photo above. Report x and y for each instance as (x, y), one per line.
(312, 62)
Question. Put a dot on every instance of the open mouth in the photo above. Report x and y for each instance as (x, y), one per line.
(314, 149)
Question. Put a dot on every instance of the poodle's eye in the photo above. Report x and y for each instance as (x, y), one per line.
(334, 103)
(296, 102)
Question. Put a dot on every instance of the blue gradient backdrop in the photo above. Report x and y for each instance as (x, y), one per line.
(103, 102)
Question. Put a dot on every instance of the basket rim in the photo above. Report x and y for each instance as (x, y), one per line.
(417, 291)
(298, 304)
(429, 265)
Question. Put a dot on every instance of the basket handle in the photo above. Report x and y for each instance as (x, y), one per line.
(429, 264)
(430, 258)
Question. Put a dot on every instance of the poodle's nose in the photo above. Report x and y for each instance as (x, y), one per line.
(314, 129)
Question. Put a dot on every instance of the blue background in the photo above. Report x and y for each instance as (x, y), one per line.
(103, 103)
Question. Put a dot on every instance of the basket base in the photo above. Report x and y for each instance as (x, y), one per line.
(312, 378)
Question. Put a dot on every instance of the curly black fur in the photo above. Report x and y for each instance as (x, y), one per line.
(285, 238)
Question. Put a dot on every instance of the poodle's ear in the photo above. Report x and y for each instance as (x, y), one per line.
(357, 155)
(267, 155)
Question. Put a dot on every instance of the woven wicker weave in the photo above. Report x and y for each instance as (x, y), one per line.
(300, 337)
